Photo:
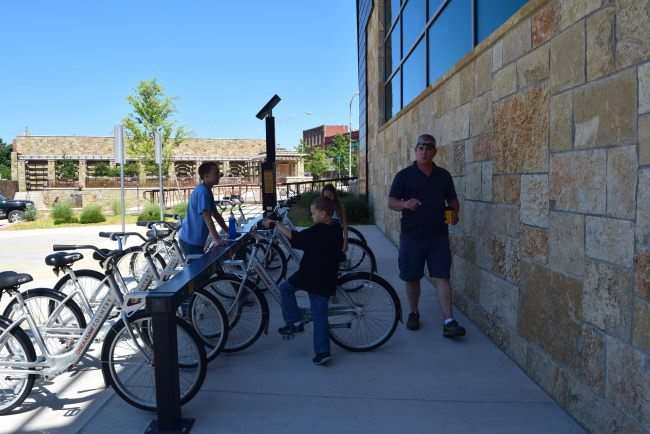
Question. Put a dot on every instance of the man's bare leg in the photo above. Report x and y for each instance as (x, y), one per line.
(413, 294)
(444, 296)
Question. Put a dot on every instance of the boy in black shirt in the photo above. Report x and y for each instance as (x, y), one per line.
(322, 244)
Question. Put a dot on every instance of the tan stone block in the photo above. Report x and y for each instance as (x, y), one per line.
(521, 129)
(453, 126)
(644, 88)
(499, 298)
(487, 171)
(600, 43)
(610, 240)
(566, 243)
(507, 188)
(606, 301)
(534, 244)
(622, 168)
(466, 83)
(479, 148)
(550, 308)
(457, 167)
(533, 67)
(598, 124)
(481, 119)
(534, 200)
(513, 260)
(643, 209)
(503, 220)
(497, 56)
(546, 23)
(628, 379)
(562, 122)
(641, 334)
(473, 181)
(574, 10)
(568, 58)
(448, 97)
(483, 72)
(497, 252)
(517, 42)
(644, 140)
(578, 181)
(642, 274)
(632, 22)
(505, 82)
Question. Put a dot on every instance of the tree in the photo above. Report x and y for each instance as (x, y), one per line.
(316, 159)
(67, 170)
(5, 160)
(152, 110)
(339, 152)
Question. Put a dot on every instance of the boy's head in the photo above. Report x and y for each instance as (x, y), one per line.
(322, 210)
(209, 173)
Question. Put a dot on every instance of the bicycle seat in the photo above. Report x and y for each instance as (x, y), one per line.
(61, 259)
(103, 254)
(158, 234)
(10, 279)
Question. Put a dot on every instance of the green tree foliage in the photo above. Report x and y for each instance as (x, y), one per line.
(316, 159)
(339, 153)
(152, 110)
(5, 160)
(67, 170)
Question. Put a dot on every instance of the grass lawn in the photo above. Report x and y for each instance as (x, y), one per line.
(47, 223)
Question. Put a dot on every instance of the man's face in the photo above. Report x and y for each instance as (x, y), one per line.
(424, 153)
(212, 177)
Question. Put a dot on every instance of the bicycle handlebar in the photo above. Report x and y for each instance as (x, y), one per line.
(113, 236)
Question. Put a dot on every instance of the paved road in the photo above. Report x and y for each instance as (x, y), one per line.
(418, 383)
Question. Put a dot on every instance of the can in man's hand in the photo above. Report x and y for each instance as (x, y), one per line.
(449, 215)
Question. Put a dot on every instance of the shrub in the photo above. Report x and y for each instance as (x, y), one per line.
(92, 214)
(151, 212)
(180, 209)
(62, 213)
(357, 209)
(31, 214)
(116, 207)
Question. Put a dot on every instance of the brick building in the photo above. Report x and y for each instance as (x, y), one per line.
(541, 110)
(319, 135)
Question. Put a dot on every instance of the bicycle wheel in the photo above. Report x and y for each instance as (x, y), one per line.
(90, 282)
(61, 327)
(210, 321)
(274, 262)
(248, 312)
(128, 363)
(358, 258)
(14, 348)
(355, 233)
(366, 314)
(138, 264)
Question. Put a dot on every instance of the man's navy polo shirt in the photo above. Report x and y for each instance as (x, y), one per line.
(428, 220)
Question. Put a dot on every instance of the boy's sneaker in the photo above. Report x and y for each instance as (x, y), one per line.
(413, 323)
(291, 329)
(322, 359)
(453, 330)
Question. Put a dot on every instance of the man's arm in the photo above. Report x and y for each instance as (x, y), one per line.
(220, 220)
(401, 204)
(207, 219)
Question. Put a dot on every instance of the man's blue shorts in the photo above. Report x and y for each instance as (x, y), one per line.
(414, 253)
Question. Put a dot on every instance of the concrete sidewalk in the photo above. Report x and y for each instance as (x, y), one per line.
(418, 382)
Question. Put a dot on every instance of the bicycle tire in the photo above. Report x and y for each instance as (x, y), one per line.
(88, 274)
(135, 256)
(185, 332)
(352, 265)
(393, 310)
(277, 254)
(357, 233)
(249, 319)
(214, 340)
(8, 351)
(55, 298)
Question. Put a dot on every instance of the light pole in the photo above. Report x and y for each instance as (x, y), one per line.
(350, 138)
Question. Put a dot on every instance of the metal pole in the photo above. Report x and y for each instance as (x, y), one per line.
(350, 138)
(159, 159)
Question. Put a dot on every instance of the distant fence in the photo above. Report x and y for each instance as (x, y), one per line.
(8, 188)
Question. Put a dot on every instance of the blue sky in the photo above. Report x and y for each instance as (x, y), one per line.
(68, 66)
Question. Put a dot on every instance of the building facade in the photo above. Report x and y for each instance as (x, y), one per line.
(318, 135)
(541, 110)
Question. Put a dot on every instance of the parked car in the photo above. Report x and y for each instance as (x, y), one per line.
(13, 210)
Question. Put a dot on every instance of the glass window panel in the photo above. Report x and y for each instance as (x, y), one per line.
(392, 10)
(414, 73)
(433, 6)
(392, 96)
(393, 54)
(414, 18)
(491, 14)
(450, 37)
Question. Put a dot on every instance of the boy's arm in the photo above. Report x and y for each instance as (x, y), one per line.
(207, 219)
(219, 218)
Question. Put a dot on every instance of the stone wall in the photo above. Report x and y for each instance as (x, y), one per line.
(546, 130)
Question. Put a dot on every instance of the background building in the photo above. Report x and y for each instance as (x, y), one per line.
(541, 110)
(318, 135)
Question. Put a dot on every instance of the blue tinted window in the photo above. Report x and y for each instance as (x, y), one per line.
(392, 9)
(414, 72)
(393, 98)
(491, 14)
(414, 18)
(450, 38)
(393, 53)
(434, 5)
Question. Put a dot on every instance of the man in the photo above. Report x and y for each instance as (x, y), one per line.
(198, 223)
(421, 192)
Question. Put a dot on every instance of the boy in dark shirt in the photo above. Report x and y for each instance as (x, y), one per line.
(322, 244)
